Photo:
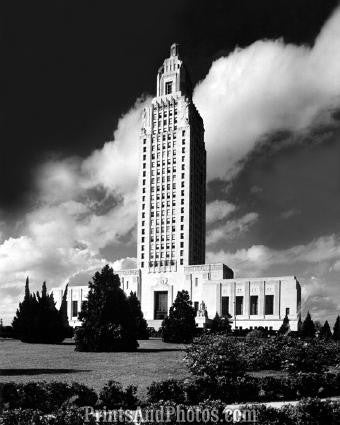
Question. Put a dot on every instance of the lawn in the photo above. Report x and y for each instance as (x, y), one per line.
(154, 361)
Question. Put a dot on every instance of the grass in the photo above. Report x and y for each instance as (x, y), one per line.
(154, 361)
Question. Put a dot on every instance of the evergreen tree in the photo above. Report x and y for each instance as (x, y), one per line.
(325, 332)
(107, 324)
(336, 329)
(63, 314)
(136, 312)
(221, 324)
(285, 327)
(37, 319)
(22, 322)
(308, 328)
(180, 325)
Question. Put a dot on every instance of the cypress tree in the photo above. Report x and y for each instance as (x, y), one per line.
(285, 327)
(136, 312)
(308, 328)
(325, 331)
(37, 320)
(336, 329)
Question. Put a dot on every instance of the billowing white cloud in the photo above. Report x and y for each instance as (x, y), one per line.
(315, 262)
(82, 206)
(267, 87)
(217, 210)
(231, 229)
(259, 258)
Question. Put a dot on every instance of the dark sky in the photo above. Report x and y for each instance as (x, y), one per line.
(71, 68)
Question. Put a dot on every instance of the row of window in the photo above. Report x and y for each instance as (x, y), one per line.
(253, 305)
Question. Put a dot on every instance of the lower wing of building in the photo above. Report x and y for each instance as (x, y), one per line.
(251, 302)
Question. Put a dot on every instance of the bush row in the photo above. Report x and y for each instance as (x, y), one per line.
(309, 411)
(222, 355)
(245, 388)
(49, 397)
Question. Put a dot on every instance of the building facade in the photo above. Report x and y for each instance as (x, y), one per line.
(171, 224)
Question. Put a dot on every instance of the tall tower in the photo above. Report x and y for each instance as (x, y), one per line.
(172, 180)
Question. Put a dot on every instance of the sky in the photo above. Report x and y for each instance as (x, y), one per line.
(76, 76)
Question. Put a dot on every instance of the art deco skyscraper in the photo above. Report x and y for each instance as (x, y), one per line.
(172, 181)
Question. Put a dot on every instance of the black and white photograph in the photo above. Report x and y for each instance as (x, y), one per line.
(170, 212)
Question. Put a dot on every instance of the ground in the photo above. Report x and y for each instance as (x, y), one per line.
(154, 361)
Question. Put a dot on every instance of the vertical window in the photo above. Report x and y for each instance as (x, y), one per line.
(269, 306)
(196, 280)
(196, 306)
(74, 308)
(225, 306)
(287, 311)
(254, 304)
(239, 306)
(168, 87)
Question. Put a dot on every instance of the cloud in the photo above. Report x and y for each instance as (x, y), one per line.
(231, 229)
(259, 258)
(315, 262)
(217, 210)
(82, 206)
(266, 88)
(285, 215)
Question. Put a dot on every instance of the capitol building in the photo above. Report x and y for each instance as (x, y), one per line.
(172, 225)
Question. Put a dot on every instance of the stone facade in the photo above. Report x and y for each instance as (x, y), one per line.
(171, 224)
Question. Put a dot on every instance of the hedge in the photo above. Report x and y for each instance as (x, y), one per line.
(308, 411)
(245, 388)
(49, 397)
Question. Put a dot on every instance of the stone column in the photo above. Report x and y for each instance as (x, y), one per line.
(277, 298)
(218, 298)
(246, 300)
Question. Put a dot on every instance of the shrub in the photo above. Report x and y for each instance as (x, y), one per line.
(46, 397)
(170, 389)
(221, 324)
(113, 396)
(255, 334)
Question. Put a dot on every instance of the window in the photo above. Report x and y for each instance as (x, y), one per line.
(225, 306)
(196, 281)
(74, 308)
(269, 304)
(254, 304)
(168, 87)
(239, 306)
(287, 311)
(196, 304)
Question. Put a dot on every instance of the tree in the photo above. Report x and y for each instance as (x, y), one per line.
(22, 325)
(180, 325)
(221, 324)
(136, 312)
(285, 327)
(308, 328)
(107, 323)
(325, 332)
(336, 329)
(37, 320)
(63, 314)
